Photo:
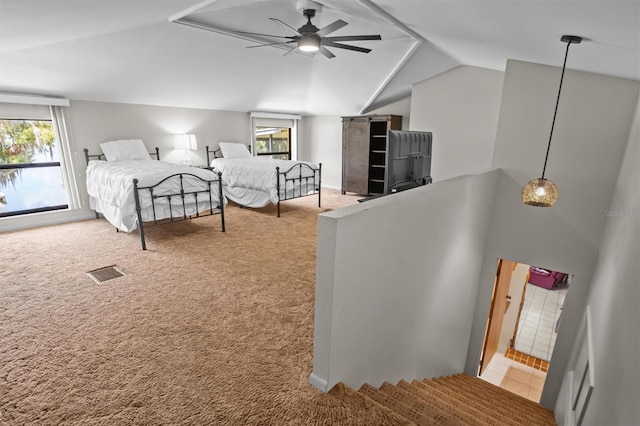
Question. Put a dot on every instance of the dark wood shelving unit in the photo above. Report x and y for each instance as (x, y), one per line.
(364, 152)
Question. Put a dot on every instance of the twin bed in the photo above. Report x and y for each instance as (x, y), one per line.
(257, 181)
(132, 190)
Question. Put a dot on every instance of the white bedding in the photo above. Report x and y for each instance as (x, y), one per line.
(252, 181)
(110, 187)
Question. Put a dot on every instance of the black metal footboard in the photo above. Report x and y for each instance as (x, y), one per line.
(186, 199)
(294, 185)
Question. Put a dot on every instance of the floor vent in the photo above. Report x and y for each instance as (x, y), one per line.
(105, 274)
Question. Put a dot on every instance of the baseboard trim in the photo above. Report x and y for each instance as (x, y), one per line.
(318, 382)
(35, 220)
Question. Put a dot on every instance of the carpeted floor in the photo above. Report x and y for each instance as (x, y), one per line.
(206, 328)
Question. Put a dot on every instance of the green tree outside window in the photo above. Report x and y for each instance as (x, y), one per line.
(20, 142)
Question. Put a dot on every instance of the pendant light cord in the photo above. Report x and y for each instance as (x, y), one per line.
(553, 123)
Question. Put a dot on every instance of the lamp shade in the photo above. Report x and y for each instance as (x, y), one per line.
(186, 141)
(540, 192)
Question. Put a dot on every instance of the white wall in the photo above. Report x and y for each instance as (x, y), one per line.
(95, 122)
(460, 107)
(392, 299)
(321, 142)
(594, 117)
(614, 299)
(401, 107)
(592, 130)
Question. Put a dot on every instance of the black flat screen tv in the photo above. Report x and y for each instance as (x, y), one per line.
(408, 160)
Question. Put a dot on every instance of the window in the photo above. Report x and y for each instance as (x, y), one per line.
(31, 177)
(274, 142)
(37, 173)
(275, 135)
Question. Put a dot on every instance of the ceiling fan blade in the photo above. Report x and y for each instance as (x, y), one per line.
(326, 52)
(272, 44)
(355, 38)
(290, 51)
(285, 24)
(345, 46)
(265, 35)
(331, 28)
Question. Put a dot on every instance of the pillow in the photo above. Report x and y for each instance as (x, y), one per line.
(129, 149)
(234, 150)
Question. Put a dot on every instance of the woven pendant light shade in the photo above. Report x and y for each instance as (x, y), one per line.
(540, 193)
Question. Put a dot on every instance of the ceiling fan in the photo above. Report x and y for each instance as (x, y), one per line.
(310, 38)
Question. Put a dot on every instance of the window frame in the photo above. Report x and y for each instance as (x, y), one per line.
(17, 106)
(270, 153)
(31, 165)
(278, 120)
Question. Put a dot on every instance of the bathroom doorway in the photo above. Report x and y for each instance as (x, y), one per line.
(526, 308)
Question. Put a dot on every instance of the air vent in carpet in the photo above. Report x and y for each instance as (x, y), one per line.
(105, 274)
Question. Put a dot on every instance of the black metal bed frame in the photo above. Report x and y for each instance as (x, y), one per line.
(182, 194)
(311, 184)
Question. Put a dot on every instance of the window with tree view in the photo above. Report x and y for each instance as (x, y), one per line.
(274, 142)
(30, 174)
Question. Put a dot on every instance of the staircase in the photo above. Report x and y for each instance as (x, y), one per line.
(458, 400)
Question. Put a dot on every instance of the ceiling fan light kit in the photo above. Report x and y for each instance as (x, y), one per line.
(541, 192)
(309, 43)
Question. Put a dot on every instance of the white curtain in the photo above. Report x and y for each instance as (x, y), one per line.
(60, 117)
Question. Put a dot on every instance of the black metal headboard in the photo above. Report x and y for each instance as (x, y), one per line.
(217, 153)
(88, 156)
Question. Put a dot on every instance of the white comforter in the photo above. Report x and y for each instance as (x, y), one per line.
(110, 184)
(259, 173)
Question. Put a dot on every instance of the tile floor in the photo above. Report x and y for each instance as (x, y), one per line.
(536, 329)
(515, 377)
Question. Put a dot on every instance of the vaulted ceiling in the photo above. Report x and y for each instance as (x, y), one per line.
(136, 51)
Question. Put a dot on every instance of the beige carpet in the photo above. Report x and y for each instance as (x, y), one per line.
(206, 328)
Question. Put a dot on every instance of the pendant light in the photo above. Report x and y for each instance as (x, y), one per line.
(542, 192)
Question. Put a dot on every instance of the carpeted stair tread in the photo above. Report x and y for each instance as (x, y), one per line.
(474, 395)
(458, 400)
(499, 406)
(412, 408)
(504, 400)
(475, 382)
(393, 404)
(477, 410)
(476, 385)
(351, 397)
(436, 414)
(469, 415)
(487, 407)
